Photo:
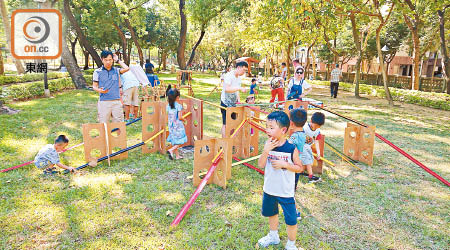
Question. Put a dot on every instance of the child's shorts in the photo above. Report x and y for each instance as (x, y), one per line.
(307, 157)
(43, 164)
(270, 208)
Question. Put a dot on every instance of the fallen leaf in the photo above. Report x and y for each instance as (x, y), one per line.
(8, 181)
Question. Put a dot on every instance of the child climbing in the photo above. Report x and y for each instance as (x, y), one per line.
(281, 161)
(177, 134)
(298, 138)
(48, 156)
(312, 132)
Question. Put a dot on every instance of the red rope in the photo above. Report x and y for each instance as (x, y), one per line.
(197, 192)
(418, 163)
(30, 162)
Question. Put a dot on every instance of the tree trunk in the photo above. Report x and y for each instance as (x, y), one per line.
(383, 69)
(357, 40)
(182, 42)
(7, 28)
(136, 42)
(445, 61)
(202, 34)
(288, 60)
(2, 66)
(72, 67)
(80, 34)
(130, 47)
(73, 45)
(412, 25)
(164, 59)
(313, 57)
(86, 59)
(123, 39)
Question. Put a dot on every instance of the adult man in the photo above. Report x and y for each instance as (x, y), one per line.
(149, 65)
(106, 81)
(283, 71)
(334, 81)
(230, 90)
(130, 89)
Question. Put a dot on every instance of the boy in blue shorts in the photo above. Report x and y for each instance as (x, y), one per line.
(281, 161)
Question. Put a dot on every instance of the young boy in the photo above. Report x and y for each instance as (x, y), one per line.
(253, 87)
(312, 132)
(48, 156)
(281, 161)
(298, 138)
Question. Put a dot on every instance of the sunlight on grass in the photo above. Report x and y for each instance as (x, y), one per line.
(95, 180)
(170, 197)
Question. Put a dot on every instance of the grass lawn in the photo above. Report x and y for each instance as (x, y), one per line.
(392, 205)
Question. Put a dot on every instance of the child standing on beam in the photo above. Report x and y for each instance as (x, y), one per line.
(281, 161)
(177, 134)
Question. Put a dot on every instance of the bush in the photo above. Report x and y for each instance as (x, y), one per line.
(35, 89)
(31, 77)
(426, 99)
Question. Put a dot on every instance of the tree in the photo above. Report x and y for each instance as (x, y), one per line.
(415, 15)
(444, 51)
(7, 28)
(72, 66)
(80, 34)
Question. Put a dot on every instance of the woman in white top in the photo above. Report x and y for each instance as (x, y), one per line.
(298, 87)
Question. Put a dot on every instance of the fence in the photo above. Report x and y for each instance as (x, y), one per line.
(426, 84)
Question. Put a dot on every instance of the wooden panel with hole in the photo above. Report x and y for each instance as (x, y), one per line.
(254, 135)
(292, 104)
(241, 141)
(289, 105)
(94, 141)
(203, 155)
(359, 143)
(318, 165)
(227, 159)
(187, 107)
(197, 120)
(154, 119)
(117, 136)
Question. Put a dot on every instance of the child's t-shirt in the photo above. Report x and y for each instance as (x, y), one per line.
(311, 135)
(45, 156)
(252, 89)
(280, 182)
(298, 138)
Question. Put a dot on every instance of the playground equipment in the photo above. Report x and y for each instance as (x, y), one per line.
(359, 142)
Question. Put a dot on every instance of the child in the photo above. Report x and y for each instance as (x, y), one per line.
(130, 88)
(281, 161)
(48, 156)
(298, 138)
(253, 87)
(177, 135)
(277, 91)
(312, 132)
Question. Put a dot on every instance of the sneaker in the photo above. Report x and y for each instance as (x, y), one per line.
(299, 216)
(290, 246)
(268, 240)
(50, 172)
(314, 179)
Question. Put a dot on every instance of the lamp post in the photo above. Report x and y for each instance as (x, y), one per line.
(46, 90)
